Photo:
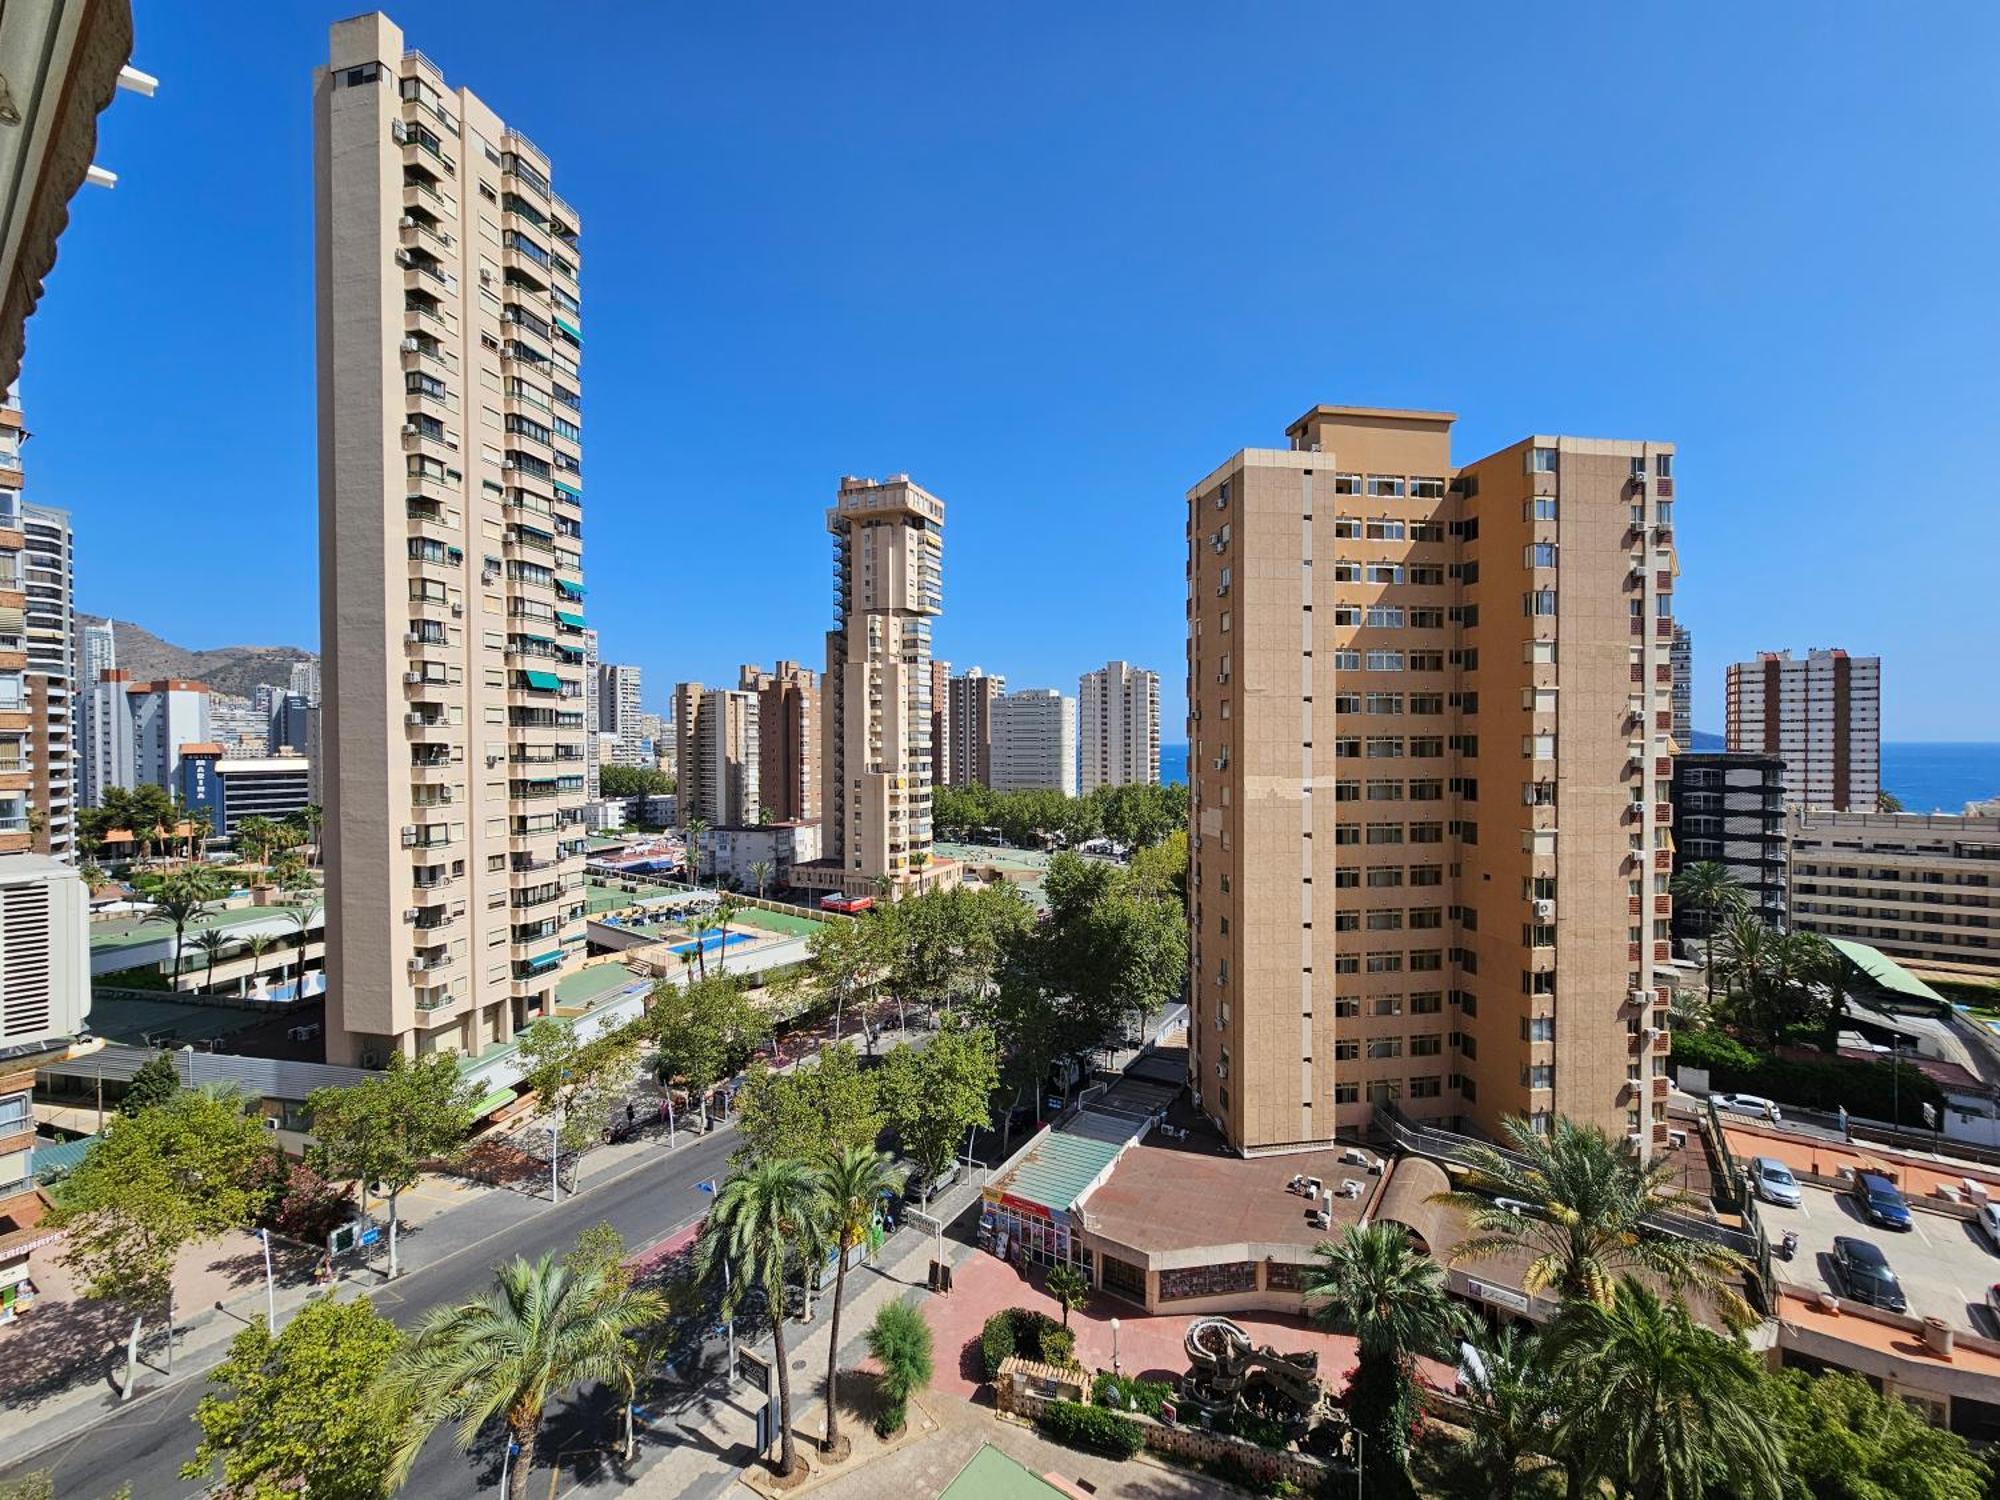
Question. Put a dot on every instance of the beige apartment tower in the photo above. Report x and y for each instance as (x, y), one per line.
(1118, 710)
(787, 739)
(717, 738)
(1429, 718)
(969, 721)
(875, 699)
(451, 520)
(1822, 715)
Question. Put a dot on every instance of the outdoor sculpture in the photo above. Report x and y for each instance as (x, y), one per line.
(1226, 1370)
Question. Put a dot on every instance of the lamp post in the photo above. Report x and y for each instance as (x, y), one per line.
(1115, 1370)
(270, 1286)
(555, 1187)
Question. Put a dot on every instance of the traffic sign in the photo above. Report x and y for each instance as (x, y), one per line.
(706, 1185)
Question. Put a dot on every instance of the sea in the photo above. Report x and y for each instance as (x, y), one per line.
(1926, 775)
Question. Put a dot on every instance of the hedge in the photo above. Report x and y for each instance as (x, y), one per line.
(1868, 1089)
(1126, 1393)
(1092, 1428)
(1015, 1332)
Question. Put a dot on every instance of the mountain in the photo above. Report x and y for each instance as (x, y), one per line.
(1704, 740)
(235, 670)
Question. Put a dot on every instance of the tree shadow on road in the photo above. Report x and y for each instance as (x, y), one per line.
(63, 1345)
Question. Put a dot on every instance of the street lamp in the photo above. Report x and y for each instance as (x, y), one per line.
(555, 1188)
(1114, 1348)
(270, 1286)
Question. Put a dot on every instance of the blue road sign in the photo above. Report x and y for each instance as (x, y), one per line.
(371, 1234)
(706, 1185)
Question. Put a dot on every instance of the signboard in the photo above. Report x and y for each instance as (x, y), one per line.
(1167, 1413)
(370, 1235)
(1500, 1296)
(755, 1370)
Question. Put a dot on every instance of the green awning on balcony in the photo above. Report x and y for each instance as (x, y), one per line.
(568, 489)
(574, 621)
(542, 682)
(569, 328)
(569, 590)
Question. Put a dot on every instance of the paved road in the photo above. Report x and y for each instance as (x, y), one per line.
(147, 1442)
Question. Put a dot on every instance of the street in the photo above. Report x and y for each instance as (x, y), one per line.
(146, 1443)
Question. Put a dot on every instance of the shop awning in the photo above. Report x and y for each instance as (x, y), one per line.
(487, 1103)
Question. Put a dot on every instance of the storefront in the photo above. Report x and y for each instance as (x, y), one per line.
(1027, 1233)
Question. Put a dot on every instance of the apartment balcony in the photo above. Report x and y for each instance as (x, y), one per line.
(430, 999)
(426, 276)
(430, 775)
(421, 726)
(420, 152)
(428, 359)
(414, 232)
(437, 322)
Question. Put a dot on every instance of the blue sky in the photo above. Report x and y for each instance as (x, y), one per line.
(1058, 261)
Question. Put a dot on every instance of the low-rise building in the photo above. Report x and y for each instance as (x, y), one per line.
(729, 853)
(1729, 809)
(1922, 887)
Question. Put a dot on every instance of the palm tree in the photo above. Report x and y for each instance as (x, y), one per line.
(1588, 1197)
(1069, 1287)
(917, 862)
(698, 929)
(764, 1217)
(309, 818)
(302, 924)
(854, 1181)
(1374, 1284)
(179, 901)
(543, 1328)
(691, 831)
(93, 875)
(211, 944)
(726, 911)
(1511, 1405)
(256, 945)
(1707, 887)
(1663, 1407)
(760, 872)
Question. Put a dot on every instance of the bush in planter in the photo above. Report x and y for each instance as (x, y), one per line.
(1018, 1332)
(996, 1340)
(900, 1341)
(1058, 1347)
(1092, 1428)
(1127, 1393)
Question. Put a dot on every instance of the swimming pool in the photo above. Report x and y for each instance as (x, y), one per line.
(711, 941)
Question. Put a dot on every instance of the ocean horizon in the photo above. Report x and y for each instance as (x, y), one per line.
(1925, 775)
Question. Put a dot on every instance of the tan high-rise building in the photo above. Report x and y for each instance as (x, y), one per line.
(969, 721)
(450, 559)
(875, 700)
(1821, 715)
(941, 723)
(718, 740)
(1429, 725)
(1119, 716)
(787, 739)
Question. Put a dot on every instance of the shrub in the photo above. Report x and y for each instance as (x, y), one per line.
(1058, 1347)
(900, 1341)
(1868, 1089)
(1091, 1428)
(1018, 1332)
(1125, 1392)
(996, 1340)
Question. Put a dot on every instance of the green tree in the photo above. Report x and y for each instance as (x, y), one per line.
(1374, 1284)
(1511, 1403)
(570, 1077)
(935, 1096)
(1846, 1442)
(541, 1330)
(1661, 1406)
(900, 1342)
(846, 961)
(1587, 1198)
(306, 1413)
(853, 1182)
(633, 781)
(383, 1129)
(302, 924)
(820, 1106)
(256, 946)
(766, 1217)
(1070, 1287)
(702, 1033)
(184, 1170)
(691, 831)
(760, 875)
(182, 897)
(156, 1081)
(289, 872)
(1160, 870)
(1707, 889)
(699, 927)
(211, 944)
(727, 910)
(308, 820)
(600, 1251)
(256, 838)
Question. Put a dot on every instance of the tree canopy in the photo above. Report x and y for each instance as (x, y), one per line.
(819, 1106)
(633, 781)
(1135, 815)
(934, 1095)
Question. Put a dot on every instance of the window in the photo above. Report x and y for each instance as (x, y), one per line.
(1539, 602)
(1427, 619)
(1346, 1009)
(1425, 1087)
(1385, 878)
(1347, 748)
(1540, 1076)
(1385, 703)
(1386, 616)
(1388, 1005)
(1426, 487)
(1345, 660)
(1347, 1093)
(1426, 1046)
(1541, 508)
(1385, 789)
(1538, 1028)
(1541, 460)
(1385, 531)
(1346, 879)
(1382, 746)
(1385, 963)
(1663, 465)
(1347, 484)
(1385, 1046)
(1347, 1049)
(1347, 791)
(1385, 572)
(1389, 486)
(1426, 1002)
(1347, 528)
(1427, 573)
(1427, 875)
(1385, 661)
(1541, 554)
(1385, 921)
(1385, 833)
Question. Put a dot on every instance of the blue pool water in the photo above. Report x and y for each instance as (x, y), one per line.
(711, 941)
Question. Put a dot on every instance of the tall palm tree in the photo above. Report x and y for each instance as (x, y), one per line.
(310, 817)
(302, 925)
(1376, 1285)
(760, 872)
(698, 929)
(691, 831)
(1707, 887)
(765, 1217)
(211, 943)
(1663, 1407)
(543, 1328)
(1511, 1403)
(1587, 1198)
(726, 911)
(854, 1180)
(256, 945)
(178, 902)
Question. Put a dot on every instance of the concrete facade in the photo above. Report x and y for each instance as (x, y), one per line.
(1924, 888)
(1118, 716)
(451, 509)
(1682, 662)
(1430, 731)
(50, 578)
(1821, 715)
(134, 732)
(970, 722)
(719, 756)
(731, 855)
(618, 691)
(1729, 809)
(787, 739)
(1034, 742)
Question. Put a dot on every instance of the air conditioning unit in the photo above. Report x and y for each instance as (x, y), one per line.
(413, 678)
(409, 429)
(1638, 809)
(1639, 478)
(457, 608)
(404, 258)
(409, 914)
(1641, 997)
(418, 963)
(399, 132)
(1545, 910)
(406, 222)
(1636, 1139)
(411, 346)
(508, 463)
(409, 836)
(413, 718)
(1653, 1034)
(485, 276)
(411, 638)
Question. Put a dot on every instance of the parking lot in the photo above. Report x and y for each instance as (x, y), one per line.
(1944, 1264)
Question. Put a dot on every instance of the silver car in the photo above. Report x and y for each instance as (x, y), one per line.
(1772, 1180)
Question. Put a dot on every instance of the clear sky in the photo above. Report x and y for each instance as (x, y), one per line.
(1057, 261)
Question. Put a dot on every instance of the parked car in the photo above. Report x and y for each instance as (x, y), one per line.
(1772, 1180)
(1865, 1275)
(1988, 1220)
(1879, 1201)
(1749, 1104)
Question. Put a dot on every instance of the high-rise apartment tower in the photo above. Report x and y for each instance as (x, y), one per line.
(1821, 715)
(1034, 742)
(52, 694)
(1429, 721)
(1118, 710)
(450, 559)
(720, 771)
(787, 739)
(1682, 661)
(970, 722)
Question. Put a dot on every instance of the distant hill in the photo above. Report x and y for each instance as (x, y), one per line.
(235, 670)
(1703, 740)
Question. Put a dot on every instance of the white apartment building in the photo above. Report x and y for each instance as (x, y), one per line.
(451, 523)
(1119, 706)
(97, 651)
(134, 732)
(49, 578)
(303, 681)
(619, 713)
(1034, 742)
(1924, 888)
(1821, 715)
